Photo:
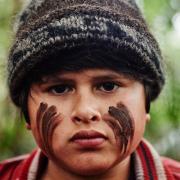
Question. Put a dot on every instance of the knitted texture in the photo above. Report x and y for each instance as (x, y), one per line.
(50, 26)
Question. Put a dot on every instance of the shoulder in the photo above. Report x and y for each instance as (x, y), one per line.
(172, 166)
(9, 166)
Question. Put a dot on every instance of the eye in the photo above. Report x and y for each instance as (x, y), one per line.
(108, 86)
(60, 89)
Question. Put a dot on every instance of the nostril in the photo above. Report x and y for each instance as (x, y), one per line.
(85, 116)
(94, 118)
(77, 119)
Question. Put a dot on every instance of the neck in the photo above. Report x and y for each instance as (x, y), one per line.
(118, 171)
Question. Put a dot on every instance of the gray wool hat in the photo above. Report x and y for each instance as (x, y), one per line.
(50, 26)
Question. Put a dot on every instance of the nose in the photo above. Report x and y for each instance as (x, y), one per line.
(85, 110)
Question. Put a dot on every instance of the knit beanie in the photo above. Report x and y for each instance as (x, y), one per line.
(47, 27)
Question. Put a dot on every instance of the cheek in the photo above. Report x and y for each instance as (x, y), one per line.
(122, 124)
(136, 105)
(59, 138)
(43, 126)
(140, 119)
(138, 110)
(139, 113)
(140, 124)
(134, 99)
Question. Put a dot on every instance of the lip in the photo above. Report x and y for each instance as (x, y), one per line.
(88, 138)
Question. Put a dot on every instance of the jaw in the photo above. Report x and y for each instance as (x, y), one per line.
(90, 167)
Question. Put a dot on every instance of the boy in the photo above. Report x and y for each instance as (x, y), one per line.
(84, 73)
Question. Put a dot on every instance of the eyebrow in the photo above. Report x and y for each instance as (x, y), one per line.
(106, 78)
(95, 79)
(57, 79)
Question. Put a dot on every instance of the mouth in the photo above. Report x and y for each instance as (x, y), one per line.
(88, 139)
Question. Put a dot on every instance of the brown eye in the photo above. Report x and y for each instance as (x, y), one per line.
(60, 89)
(108, 86)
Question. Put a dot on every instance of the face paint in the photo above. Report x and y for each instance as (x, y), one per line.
(47, 120)
(122, 125)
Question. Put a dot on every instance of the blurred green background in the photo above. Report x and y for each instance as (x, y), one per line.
(163, 131)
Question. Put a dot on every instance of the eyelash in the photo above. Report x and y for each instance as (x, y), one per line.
(68, 88)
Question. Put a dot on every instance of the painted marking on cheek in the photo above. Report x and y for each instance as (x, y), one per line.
(40, 112)
(47, 121)
(122, 125)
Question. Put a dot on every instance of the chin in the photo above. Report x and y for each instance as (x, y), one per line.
(91, 170)
(91, 167)
(88, 163)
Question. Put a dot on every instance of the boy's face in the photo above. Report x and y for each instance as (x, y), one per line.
(88, 121)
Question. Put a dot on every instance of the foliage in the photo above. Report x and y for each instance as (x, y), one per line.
(164, 130)
(163, 17)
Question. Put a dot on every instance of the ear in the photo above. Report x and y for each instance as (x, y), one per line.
(148, 117)
(28, 126)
